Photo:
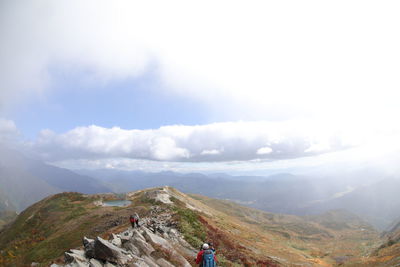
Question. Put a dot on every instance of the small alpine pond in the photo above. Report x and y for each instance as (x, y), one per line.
(117, 203)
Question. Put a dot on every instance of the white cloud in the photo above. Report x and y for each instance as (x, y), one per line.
(262, 60)
(319, 147)
(236, 141)
(264, 150)
(8, 130)
(210, 152)
(334, 62)
(164, 148)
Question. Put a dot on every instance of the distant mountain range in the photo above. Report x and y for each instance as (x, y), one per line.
(24, 181)
(367, 193)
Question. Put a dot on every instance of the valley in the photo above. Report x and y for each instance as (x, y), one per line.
(242, 236)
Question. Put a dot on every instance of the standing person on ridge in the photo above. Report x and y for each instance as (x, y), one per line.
(206, 257)
(134, 219)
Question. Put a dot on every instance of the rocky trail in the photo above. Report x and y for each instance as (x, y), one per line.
(157, 242)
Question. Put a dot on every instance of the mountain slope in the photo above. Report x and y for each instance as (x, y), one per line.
(242, 236)
(378, 203)
(368, 193)
(23, 181)
(388, 253)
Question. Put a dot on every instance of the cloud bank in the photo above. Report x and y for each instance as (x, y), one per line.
(229, 141)
(262, 60)
(8, 131)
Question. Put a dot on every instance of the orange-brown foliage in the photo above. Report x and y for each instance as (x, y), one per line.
(232, 250)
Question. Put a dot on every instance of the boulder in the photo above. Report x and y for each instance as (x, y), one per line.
(95, 263)
(164, 263)
(87, 241)
(166, 245)
(180, 259)
(157, 240)
(129, 246)
(116, 240)
(76, 258)
(140, 263)
(89, 247)
(150, 262)
(106, 251)
(143, 246)
(125, 236)
(136, 233)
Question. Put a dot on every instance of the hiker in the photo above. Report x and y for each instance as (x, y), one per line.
(136, 216)
(134, 219)
(211, 246)
(206, 257)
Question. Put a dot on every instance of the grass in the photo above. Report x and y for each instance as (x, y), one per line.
(75, 213)
(45, 230)
(54, 247)
(189, 225)
(242, 236)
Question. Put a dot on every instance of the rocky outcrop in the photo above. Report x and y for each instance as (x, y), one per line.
(107, 251)
(76, 258)
(161, 195)
(156, 243)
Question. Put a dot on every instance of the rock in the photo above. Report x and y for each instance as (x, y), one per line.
(173, 233)
(145, 247)
(116, 240)
(157, 240)
(86, 240)
(77, 264)
(181, 244)
(140, 263)
(34, 264)
(125, 236)
(95, 263)
(129, 246)
(180, 259)
(89, 247)
(159, 195)
(76, 258)
(98, 203)
(108, 264)
(164, 263)
(163, 229)
(106, 251)
(136, 233)
(150, 262)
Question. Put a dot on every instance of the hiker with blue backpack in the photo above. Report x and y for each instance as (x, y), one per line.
(206, 257)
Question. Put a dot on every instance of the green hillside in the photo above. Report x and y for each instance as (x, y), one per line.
(242, 236)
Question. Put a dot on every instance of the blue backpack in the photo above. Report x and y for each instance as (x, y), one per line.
(208, 258)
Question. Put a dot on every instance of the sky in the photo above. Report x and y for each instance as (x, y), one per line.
(201, 86)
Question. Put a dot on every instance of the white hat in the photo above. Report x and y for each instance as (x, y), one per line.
(205, 246)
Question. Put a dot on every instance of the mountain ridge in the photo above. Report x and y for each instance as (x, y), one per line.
(241, 235)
